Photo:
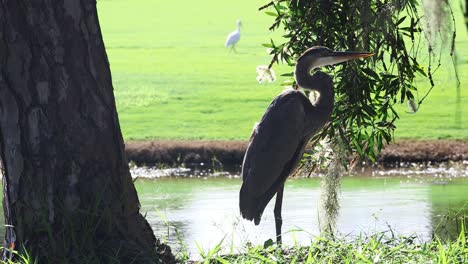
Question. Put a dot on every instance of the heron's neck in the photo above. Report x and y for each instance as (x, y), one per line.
(238, 28)
(302, 73)
(320, 82)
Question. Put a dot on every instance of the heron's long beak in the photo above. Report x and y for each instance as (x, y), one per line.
(337, 57)
(341, 56)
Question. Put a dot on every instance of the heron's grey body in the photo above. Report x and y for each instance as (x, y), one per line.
(277, 144)
(278, 141)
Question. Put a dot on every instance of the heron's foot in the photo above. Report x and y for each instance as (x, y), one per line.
(278, 240)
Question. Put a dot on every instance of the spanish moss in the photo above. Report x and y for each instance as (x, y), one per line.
(437, 21)
(330, 186)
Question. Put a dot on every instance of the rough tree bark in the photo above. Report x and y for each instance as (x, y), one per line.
(68, 194)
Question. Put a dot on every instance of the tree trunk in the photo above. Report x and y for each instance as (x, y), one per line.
(68, 194)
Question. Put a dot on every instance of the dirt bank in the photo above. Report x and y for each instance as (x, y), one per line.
(173, 153)
(425, 150)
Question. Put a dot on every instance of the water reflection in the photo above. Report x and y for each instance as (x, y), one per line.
(448, 199)
(205, 211)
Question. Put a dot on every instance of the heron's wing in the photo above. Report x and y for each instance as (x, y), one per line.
(276, 143)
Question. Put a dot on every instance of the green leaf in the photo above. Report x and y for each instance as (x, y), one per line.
(400, 21)
(371, 73)
(222, 261)
(420, 70)
(409, 95)
(268, 243)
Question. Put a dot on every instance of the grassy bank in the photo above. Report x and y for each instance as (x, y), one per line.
(376, 248)
(174, 79)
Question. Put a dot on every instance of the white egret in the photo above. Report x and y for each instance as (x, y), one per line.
(233, 37)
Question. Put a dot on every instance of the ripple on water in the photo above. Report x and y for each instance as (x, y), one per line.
(154, 173)
(443, 170)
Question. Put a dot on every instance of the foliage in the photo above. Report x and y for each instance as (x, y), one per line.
(19, 257)
(367, 91)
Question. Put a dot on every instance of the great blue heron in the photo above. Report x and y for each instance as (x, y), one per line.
(278, 141)
(233, 37)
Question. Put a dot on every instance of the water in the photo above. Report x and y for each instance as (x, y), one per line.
(203, 210)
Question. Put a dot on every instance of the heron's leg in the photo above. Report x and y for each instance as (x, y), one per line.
(234, 48)
(278, 217)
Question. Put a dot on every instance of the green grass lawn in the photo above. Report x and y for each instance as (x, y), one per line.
(174, 79)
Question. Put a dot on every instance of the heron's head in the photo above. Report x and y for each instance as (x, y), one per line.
(239, 23)
(321, 56)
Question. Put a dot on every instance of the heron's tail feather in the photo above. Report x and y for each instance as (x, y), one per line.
(251, 208)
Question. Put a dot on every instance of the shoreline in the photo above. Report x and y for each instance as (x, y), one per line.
(230, 153)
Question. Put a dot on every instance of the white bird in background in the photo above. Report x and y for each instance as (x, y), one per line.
(233, 37)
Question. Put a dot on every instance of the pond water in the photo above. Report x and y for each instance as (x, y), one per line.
(201, 211)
